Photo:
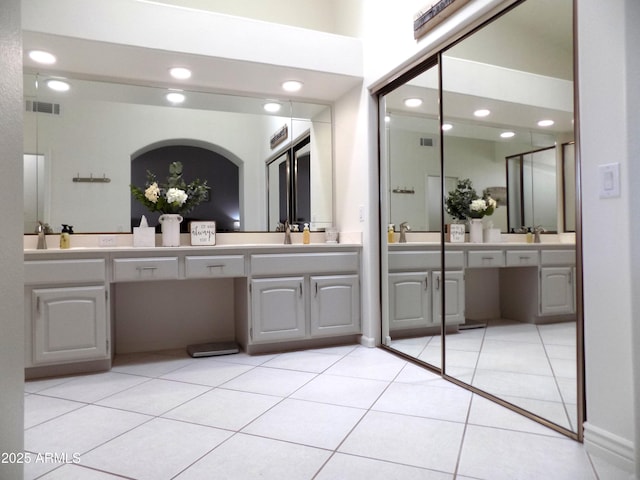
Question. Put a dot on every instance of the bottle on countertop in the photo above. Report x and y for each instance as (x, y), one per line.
(529, 235)
(390, 234)
(306, 234)
(65, 239)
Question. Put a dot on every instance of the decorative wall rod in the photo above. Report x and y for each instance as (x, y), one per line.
(92, 179)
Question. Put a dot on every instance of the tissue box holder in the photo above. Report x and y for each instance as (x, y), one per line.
(144, 237)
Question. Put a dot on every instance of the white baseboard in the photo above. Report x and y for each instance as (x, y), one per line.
(367, 341)
(612, 448)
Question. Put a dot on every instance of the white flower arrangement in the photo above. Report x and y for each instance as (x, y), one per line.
(176, 196)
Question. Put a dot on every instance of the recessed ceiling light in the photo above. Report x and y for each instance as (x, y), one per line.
(483, 112)
(272, 107)
(545, 123)
(175, 97)
(58, 85)
(507, 134)
(180, 73)
(412, 102)
(41, 56)
(446, 127)
(292, 85)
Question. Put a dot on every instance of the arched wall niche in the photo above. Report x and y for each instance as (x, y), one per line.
(223, 171)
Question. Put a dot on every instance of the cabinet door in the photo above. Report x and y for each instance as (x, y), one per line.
(277, 309)
(69, 324)
(335, 305)
(556, 291)
(453, 296)
(409, 300)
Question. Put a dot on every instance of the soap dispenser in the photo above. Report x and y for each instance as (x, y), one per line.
(306, 234)
(65, 240)
(390, 233)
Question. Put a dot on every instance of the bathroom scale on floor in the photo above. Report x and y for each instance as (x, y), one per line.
(211, 349)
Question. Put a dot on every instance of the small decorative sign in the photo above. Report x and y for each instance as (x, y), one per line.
(203, 233)
(279, 137)
(455, 232)
(433, 14)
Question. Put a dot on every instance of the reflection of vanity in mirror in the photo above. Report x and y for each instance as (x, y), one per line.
(503, 118)
(96, 129)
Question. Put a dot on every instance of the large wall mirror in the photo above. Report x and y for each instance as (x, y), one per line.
(495, 108)
(95, 129)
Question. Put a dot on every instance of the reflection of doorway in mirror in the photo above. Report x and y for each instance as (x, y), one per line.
(33, 191)
(434, 200)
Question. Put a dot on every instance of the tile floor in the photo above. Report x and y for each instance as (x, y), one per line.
(532, 366)
(337, 413)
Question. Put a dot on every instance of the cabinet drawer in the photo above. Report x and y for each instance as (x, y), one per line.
(299, 263)
(133, 269)
(214, 266)
(413, 261)
(558, 257)
(485, 258)
(522, 258)
(64, 271)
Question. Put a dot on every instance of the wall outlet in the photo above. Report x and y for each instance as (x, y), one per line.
(107, 241)
(361, 213)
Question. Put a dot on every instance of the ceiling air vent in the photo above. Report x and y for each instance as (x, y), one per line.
(426, 142)
(42, 107)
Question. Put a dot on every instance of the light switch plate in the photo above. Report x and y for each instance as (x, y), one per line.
(107, 241)
(609, 179)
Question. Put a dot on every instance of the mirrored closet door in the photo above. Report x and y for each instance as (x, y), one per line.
(480, 273)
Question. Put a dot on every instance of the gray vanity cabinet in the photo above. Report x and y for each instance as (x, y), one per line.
(278, 309)
(335, 305)
(304, 296)
(454, 297)
(66, 311)
(409, 300)
(556, 291)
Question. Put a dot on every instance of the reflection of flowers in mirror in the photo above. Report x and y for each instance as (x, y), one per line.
(174, 196)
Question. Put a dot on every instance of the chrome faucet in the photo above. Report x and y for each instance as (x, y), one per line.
(41, 230)
(536, 233)
(404, 228)
(287, 233)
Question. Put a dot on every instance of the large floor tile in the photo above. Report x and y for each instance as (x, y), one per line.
(494, 454)
(303, 361)
(159, 449)
(245, 457)
(270, 381)
(537, 387)
(207, 371)
(415, 441)
(308, 423)
(519, 357)
(342, 466)
(371, 363)
(93, 387)
(337, 390)
(38, 409)
(228, 409)
(412, 373)
(81, 430)
(154, 397)
(425, 401)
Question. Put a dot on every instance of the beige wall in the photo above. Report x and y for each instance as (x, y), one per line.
(11, 283)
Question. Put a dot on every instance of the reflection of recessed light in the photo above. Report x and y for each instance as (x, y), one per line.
(58, 85)
(483, 112)
(41, 56)
(292, 85)
(507, 134)
(272, 107)
(446, 127)
(545, 123)
(412, 102)
(180, 73)
(387, 118)
(175, 97)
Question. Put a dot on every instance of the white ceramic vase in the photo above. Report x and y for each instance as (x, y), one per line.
(475, 230)
(170, 223)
